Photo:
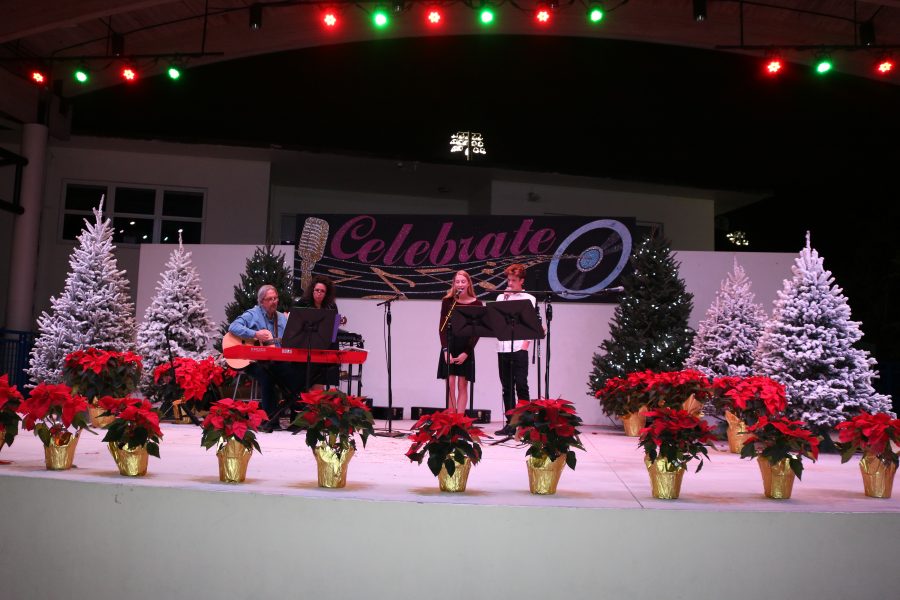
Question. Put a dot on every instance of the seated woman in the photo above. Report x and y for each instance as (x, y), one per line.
(457, 362)
(321, 295)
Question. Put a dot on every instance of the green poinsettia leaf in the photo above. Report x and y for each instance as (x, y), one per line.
(153, 449)
(571, 459)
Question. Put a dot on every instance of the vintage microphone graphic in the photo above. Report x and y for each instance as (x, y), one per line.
(311, 247)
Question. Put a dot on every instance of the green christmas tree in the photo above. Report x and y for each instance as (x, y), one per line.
(649, 329)
(264, 267)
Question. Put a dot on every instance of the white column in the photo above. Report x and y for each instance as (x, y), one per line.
(22, 272)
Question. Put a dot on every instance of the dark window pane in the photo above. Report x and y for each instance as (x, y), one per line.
(83, 197)
(190, 232)
(72, 226)
(132, 231)
(183, 204)
(139, 201)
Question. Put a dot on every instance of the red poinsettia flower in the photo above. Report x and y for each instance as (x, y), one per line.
(780, 438)
(749, 398)
(9, 394)
(676, 435)
(229, 418)
(52, 409)
(549, 426)
(448, 438)
(869, 433)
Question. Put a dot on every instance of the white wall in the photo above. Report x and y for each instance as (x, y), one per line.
(687, 219)
(66, 539)
(576, 330)
(236, 208)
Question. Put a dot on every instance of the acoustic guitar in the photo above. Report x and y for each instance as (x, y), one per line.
(229, 340)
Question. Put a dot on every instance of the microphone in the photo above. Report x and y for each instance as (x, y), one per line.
(618, 288)
(458, 292)
(311, 247)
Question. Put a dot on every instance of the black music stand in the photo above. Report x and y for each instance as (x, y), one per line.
(513, 320)
(467, 322)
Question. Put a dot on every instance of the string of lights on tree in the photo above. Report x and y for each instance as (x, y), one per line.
(649, 328)
(435, 14)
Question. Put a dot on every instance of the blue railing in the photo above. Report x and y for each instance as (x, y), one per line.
(15, 346)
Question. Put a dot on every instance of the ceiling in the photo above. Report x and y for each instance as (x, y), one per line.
(205, 31)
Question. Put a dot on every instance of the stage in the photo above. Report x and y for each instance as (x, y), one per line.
(180, 533)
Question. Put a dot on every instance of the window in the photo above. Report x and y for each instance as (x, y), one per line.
(140, 214)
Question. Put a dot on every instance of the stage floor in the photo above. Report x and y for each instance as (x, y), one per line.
(610, 474)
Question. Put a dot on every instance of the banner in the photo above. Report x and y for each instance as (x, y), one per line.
(416, 257)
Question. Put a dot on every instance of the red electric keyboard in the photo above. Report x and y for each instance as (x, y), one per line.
(335, 357)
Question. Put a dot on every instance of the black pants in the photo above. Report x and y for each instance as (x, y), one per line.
(271, 374)
(517, 363)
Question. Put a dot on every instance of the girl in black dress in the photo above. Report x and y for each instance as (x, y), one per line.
(458, 360)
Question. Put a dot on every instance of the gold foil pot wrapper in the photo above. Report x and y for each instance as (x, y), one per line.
(132, 462)
(2, 438)
(778, 478)
(544, 474)
(665, 484)
(96, 420)
(457, 481)
(634, 422)
(233, 460)
(737, 432)
(178, 414)
(60, 457)
(878, 476)
(332, 467)
(693, 406)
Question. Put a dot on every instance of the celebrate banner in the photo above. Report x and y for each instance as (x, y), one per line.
(416, 257)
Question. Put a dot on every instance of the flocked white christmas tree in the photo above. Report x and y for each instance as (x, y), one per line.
(178, 306)
(94, 308)
(727, 338)
(808, 345)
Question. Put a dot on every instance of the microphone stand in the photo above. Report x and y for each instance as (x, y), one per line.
(536, 356)
(390, 419)
(548, 313)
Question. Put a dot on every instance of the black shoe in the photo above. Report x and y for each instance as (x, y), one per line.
(507, 431)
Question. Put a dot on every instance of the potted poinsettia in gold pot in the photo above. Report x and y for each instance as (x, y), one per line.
(548, 427)
(94, 373)
(877, 437)
(672, 438)
(626, 398)
(779, 445)
(231, 425)
(452, 444)
(52, 412)
(10, 399)
(331, 420)
(744, 400)
(133, 434)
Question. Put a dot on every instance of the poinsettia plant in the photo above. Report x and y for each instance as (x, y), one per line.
(876, 434)
(135, 423)
(333, 418)
(448, 437)
(10, 399)
(621, 396)
(677, 436)
(193, 381)
(749, 398)
(548, 427)
(232, 419)
(674, 388)
(51, 410)
(93, 372)
(780, 438)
